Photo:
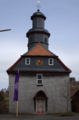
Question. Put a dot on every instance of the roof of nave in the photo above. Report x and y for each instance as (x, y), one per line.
(38, 49)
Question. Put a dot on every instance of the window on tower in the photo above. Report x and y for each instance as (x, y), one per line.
(39, 79)
(50, 61)
(45, 40)
(30, 40)
(27, 61)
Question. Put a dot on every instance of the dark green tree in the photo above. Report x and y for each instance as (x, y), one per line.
(72, 79)
(1, 96)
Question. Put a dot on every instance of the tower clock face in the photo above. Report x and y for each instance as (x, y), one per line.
(39, 62)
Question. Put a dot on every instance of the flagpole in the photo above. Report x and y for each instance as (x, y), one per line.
(17, 104)
(17, 109)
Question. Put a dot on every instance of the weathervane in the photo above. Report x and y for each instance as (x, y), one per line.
(38, 6)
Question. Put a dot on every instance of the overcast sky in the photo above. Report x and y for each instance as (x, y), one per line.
(62, 21)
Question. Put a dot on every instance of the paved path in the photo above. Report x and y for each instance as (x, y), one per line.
(36, 117)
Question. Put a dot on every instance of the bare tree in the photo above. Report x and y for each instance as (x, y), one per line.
(65, 92)
(7, 90)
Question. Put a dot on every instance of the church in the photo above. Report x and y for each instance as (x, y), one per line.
(42, 75)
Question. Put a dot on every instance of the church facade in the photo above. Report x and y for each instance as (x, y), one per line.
(43, 76)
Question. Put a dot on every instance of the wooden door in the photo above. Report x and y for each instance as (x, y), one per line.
(40, 105)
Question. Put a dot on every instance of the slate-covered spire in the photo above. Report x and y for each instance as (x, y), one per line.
(38, 34)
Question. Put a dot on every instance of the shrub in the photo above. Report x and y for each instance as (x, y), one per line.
(3, 109)
(1, 97)
(3, 105)
(67, 114)
(74, 107)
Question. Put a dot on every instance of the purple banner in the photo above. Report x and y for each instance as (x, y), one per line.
(16, 87)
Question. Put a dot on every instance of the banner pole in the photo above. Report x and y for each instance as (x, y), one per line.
(17, 104)
(17, 109)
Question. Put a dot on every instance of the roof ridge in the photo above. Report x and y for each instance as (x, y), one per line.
(30, 49)
(64, 65)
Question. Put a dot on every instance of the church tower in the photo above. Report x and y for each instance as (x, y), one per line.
(38, 34)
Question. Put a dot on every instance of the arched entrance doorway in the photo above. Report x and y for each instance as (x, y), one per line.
(40, 102)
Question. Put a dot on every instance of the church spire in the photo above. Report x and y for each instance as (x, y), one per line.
(38, 6)
(38, 34)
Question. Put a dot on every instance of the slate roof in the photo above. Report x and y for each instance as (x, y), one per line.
(39, 50)
(35, 30)
(38, 14)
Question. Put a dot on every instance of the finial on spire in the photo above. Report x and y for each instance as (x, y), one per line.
(38, 1)
(38, 6)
